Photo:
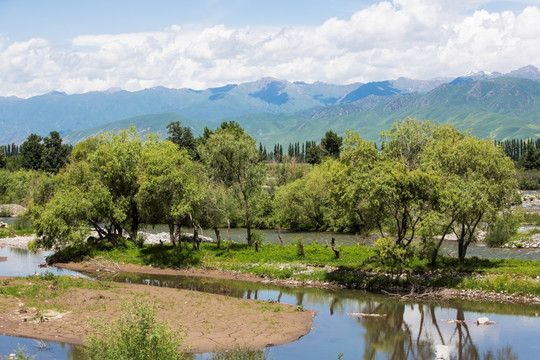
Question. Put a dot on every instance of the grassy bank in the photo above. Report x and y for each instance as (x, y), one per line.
(358, 266)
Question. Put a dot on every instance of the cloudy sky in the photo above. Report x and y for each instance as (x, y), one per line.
(80, 46)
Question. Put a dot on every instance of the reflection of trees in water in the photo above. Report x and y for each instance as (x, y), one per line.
(390, 335)
(393, 336)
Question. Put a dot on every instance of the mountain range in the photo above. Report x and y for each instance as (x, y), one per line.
(271, 110)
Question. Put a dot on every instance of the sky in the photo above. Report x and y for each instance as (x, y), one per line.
(80, 46)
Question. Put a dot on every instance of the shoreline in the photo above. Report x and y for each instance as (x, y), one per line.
(209, 322)
(403, 293)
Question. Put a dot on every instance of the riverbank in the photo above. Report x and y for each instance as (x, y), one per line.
(507, 280)
(400, 291)
(62, 308)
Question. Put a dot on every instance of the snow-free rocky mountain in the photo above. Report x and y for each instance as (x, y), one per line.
(271, 110)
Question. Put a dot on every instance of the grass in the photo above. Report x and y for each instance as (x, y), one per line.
(357, 268)
(35, 290)
(11, 232)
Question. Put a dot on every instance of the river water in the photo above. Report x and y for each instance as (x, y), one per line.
(394, 330)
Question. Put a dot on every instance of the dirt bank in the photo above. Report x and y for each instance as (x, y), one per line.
(405, 293)
(210, 322)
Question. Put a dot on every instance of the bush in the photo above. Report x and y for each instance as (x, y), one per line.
(299, 248)
(134, 336)
(502, 229)
(391, 255)
(240, 354)
(20, 354)
(528, 179)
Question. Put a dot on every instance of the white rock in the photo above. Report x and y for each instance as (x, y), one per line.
(442, 352)
(482, 320)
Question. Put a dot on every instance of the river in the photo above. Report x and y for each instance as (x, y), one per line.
(394, 330)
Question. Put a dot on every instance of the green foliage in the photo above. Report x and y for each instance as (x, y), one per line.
(531, 218)
(501, 230)
(391, 255)
(240, 354)
(182, 137)
(300, 248)
(331, 144)
(17, 187)
(20, 354)
(134, 336)
(528, 179)
(304, 204)
(46, 154)
(313, 155)
(31, 151)
(3, 159)
(232, 159)
(257, 239)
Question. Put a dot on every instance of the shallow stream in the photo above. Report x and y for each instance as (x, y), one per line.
(393, 330)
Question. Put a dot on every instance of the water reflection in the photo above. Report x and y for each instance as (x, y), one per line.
(39, 350)
(403, 330)
(22, 262)
(449, 247)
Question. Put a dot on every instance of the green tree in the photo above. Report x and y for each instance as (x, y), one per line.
(477, 182)
(313, 155)
(32, 152)
(54, 155)
(352, 183)
(98, 189)
(331, 144)
(404, 190)
(182, 137)
(531, 159)
(304, 204)
(167, 177)
(3, 160)
(232, 159)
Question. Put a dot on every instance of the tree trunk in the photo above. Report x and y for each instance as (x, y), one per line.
(335, 249)
(279, 235)
(218, 237)
(228, 234)
(195, 239)
(248, 226)
(461, 250)
(171, 233)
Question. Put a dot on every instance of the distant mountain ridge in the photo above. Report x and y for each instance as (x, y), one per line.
(268, 107)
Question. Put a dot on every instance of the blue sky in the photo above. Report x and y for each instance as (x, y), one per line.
(79, 46)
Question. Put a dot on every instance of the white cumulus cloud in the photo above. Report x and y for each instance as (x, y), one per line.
(413, 38)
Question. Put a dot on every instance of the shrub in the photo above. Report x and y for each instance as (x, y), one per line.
(300, 248)
(502, 229)
(391, 255)
(134, 336)
(240, 354)
(20, 354)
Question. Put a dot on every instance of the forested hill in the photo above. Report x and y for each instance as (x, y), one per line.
(500, 108)
(272, 110)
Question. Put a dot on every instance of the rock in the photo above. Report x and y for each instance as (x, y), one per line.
(3, 225)
(12, 209)
(442, 352)
(484, 321)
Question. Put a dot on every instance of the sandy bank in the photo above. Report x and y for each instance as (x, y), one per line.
(210, 322)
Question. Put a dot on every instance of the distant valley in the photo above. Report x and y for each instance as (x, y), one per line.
(495, 105)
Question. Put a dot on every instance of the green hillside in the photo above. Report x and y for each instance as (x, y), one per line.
(155, 123)
(499, 108)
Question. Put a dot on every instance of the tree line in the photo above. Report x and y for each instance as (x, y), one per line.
(425, 183)
(36, 153)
